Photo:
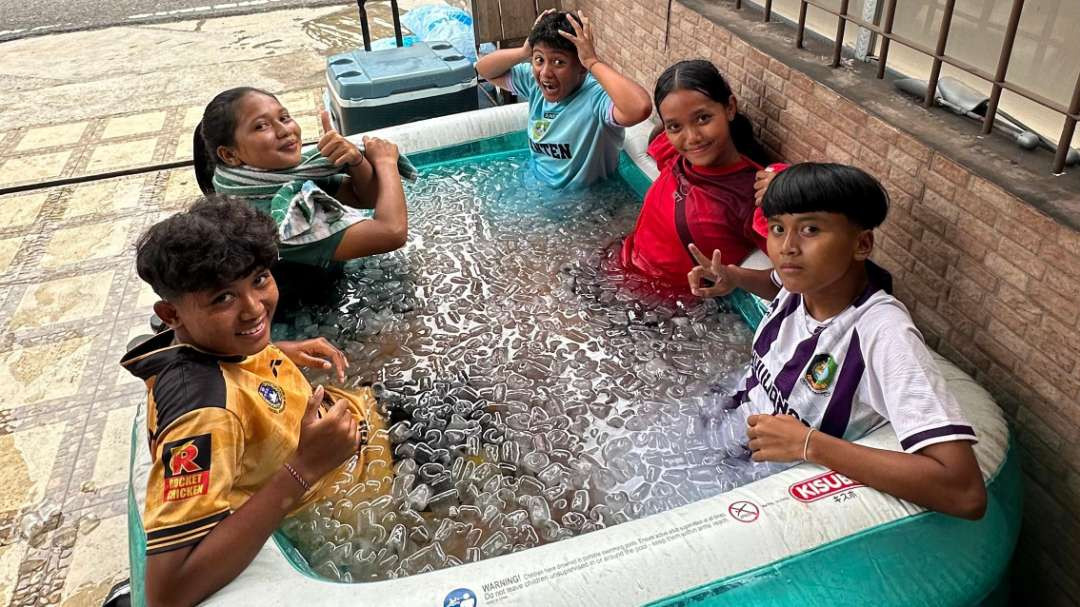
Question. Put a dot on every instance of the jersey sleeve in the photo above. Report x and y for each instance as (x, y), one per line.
(522, 82)
(196, 460)
(603, 106)
(904, 383)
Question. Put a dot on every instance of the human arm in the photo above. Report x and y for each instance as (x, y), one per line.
(316, 353)
(632, 103)
(356, 189)
(388, 229)
(944, 476)
(728, 277)
(187, 575)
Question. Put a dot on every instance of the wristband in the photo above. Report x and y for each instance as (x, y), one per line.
(806, 443)
(296, 475)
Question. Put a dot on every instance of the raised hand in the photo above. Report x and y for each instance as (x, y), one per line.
(721, 275)
(325, 441)
(526, 47)
(336, 148)
(582, 39)
(762, 179)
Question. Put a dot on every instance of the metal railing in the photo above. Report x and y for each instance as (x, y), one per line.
(997, 80)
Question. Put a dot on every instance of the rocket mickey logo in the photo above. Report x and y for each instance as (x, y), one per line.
(273, 396)
(821, 373)
(187, 467)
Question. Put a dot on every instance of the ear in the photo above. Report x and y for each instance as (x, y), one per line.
(864, 245)
(732, 108)
(228, 156)
(167, 312)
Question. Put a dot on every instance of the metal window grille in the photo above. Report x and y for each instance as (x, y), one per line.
(998, 80)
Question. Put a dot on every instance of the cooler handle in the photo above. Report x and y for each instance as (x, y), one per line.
(366, 31)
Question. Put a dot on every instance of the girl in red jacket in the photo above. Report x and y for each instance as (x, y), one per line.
(708, 157)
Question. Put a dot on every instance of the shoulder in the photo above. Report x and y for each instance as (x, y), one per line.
(188, 383)
(884, 317)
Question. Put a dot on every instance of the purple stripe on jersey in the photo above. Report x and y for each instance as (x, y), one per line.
(953, 429)
(739, 397)
(838, 412)
(789, 375)
(771, 330)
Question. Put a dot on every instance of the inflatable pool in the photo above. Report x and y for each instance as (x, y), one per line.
(805, 535)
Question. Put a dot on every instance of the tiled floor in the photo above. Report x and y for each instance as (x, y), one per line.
(69, 303)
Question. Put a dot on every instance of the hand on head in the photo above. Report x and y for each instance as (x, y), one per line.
(526, 46)
(713, 270)
(582, 39)
(336, 148)
(761, 183)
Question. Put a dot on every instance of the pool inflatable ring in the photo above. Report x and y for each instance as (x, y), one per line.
(804, 536)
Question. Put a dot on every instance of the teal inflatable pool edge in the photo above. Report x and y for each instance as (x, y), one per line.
(913, 550)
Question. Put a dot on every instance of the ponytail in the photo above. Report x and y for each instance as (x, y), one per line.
(702, 76)
(742, 135)
(203, 161)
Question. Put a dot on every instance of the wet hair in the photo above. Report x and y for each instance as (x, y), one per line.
(215, 242)
(547, 31)
(217, 128)
(812, 187)
(702, 76)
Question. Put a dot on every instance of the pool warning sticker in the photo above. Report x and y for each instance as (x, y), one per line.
(744, 512)
(822, 486)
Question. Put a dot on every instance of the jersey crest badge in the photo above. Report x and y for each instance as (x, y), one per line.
(821, 373)
(273, 396)
(538, 129)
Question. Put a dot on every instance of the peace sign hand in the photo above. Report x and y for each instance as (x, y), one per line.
(582, 39)
(336, 148)
(722, 276)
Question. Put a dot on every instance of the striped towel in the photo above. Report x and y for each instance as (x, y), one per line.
(302, 210)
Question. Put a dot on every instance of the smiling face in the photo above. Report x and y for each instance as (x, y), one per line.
(558, 72)
(232, 320)
(816, 252)
(699, 127)
(266, 136)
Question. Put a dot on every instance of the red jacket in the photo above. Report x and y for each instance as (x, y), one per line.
(713, 207)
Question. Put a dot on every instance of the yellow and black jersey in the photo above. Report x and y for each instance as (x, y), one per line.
(219, 427)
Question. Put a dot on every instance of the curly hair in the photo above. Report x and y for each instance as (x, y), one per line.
(215, 242)
(547, 31)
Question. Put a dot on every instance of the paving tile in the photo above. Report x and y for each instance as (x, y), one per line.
(26, 464)
(51, 136)
(181, 190)
(112, 196)
(99, 560)
(124, 126)
(40, 372)
(21, 210)
(86, 242)
(111, 466)
(192, 116)
(8, 248)
(298, 102)
(10, 557)
(34, 167)
(107, 157)
(183, 149)
(63, 300)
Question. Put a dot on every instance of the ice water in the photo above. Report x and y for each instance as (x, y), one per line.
(533, 392)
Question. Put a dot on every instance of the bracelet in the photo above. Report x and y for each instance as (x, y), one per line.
(297, 476)
(806, 443)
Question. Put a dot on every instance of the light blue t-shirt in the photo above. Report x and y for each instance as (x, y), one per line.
(576, 141)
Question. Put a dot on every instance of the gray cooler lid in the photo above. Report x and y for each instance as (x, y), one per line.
(371, 75)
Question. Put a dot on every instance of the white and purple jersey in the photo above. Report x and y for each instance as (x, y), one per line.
(850, 374)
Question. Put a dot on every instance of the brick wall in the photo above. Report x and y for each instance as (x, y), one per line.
(993, 284)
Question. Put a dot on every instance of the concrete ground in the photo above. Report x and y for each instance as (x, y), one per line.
(79, 104)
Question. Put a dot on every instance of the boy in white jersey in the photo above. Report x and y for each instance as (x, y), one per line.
(837, 356)
(578, 105)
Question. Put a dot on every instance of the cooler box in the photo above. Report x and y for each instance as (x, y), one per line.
(371, 90)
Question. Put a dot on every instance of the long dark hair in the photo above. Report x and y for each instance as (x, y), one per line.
(702, 76)
(217, 128)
